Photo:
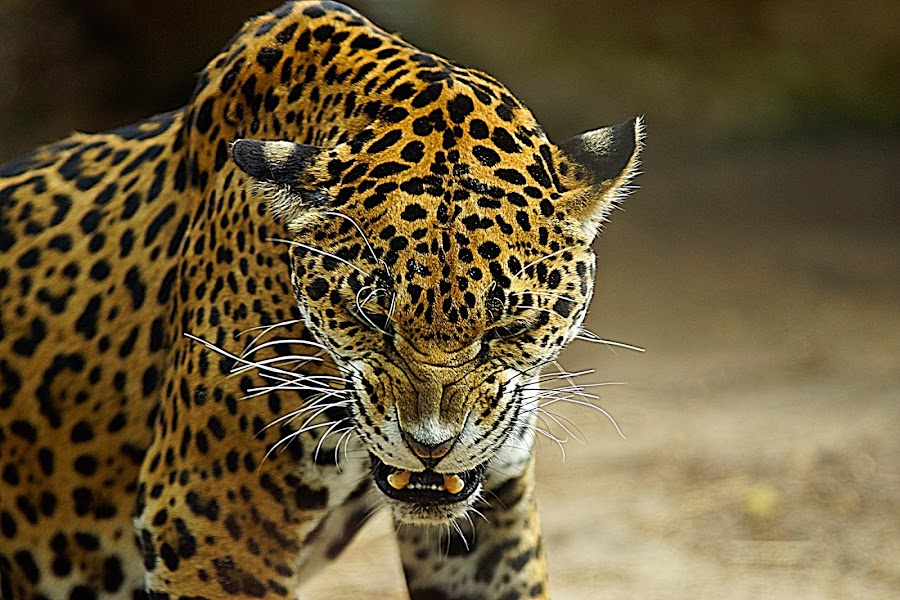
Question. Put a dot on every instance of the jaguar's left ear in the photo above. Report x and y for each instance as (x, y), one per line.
(286, 174)
(606, 160)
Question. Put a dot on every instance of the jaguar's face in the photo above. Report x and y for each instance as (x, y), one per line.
(440, 298)
(442, 349)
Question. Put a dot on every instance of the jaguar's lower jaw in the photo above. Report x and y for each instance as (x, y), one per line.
(417, 514)
(427, 497)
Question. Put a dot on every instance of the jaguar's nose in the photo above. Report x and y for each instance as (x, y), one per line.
(429, 453)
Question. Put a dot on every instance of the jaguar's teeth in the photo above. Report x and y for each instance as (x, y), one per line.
(453, 483)
(399, 480)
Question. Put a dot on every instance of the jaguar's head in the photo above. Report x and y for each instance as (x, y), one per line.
(442, 272)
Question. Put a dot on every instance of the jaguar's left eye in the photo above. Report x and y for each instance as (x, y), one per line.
(514, 329)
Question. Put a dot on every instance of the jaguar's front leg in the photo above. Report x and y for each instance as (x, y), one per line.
(498, 556)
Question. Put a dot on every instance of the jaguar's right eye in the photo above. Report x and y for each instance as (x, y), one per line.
(374, 313)
(377, 320)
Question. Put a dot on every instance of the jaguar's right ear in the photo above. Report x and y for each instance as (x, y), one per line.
(284, 173)
(610, 157)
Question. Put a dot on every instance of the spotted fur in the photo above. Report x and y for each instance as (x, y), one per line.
(343, 252)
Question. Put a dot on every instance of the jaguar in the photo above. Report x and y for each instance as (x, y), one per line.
(331, 282)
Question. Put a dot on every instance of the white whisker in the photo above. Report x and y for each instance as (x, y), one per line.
(545, 257)
(562, 374)
(294, 358)
(361, 311)
(361, 233)
(227, 354)
(459, 531)
(595, 407)
(300, 384)
(548, 295)
(345, 437)
(558, 419)
(547, 434)
(540, 309)
(323, 253)
(589, 336)
(266, 329)
(328, 432)
(292, 341)
(479, 513)
(296, 414)
(287, 439)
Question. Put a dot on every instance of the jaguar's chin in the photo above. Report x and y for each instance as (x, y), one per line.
(427, 497)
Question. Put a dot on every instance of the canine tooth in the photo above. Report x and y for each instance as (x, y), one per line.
(453, 483)
(399, 480)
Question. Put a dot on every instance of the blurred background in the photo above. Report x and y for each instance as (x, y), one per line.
(758, 264)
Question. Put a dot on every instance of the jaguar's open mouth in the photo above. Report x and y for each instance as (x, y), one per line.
(426, 487)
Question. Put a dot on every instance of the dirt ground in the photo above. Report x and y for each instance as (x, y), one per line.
(762, 454)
